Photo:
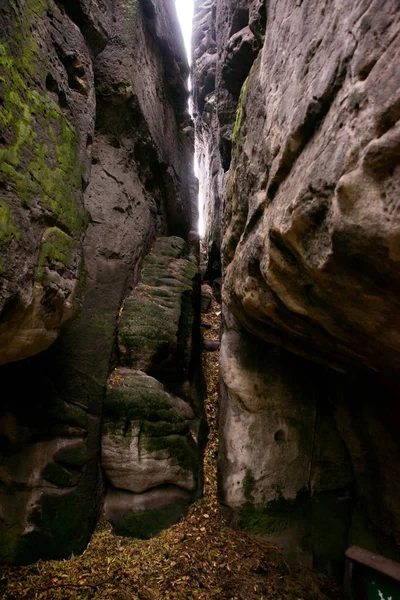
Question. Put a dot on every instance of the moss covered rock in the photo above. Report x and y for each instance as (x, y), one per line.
(149, 454)
(155, 333)
(146, 437)
(43, 160)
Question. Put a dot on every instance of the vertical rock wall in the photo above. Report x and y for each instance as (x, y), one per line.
(227, 37)
(300, 169)
(95, 162)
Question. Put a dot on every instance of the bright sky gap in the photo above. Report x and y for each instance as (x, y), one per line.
(184, 9)
(185, 14)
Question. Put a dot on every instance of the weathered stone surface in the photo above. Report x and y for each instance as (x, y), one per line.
(283, 466)
(317, 466)
(156, 328)
(204, 62)
(47, 120)
(147, 449)
(94, 19)
(217, 289)
(151, 437)
(227, 37)
(163, 150)
(206, 298)
(135, 173)
(146, 438)
(317, 266)
(300, 173)
(46, 469)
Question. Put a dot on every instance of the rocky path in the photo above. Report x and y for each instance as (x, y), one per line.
(200, 557)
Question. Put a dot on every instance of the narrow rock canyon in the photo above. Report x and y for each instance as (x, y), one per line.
(295, 119)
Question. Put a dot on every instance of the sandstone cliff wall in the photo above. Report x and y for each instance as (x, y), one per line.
(297, 132)
(96, 160)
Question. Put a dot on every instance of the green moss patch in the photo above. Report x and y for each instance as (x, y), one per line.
(141, 401)
(239, 116)
(56, 251)
(133, 401)
(63, 523)
(274, 517)
(157, 320)
(8, 230)
(41, 160)
(325, 518)
(181, 448)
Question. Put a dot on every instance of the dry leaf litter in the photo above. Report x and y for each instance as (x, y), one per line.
(199, 558)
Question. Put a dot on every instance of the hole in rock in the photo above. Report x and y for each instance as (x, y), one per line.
(51, 84)
(62, 99)
(255, 269)
(280, 437)
(240, 20)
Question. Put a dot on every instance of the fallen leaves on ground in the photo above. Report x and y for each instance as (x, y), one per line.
(199, 558)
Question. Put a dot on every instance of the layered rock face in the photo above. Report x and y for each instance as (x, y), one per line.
(307, 179)
(153, 438)
(95, 162)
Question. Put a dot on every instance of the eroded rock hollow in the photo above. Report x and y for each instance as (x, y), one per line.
(297, 108)
(96, 182)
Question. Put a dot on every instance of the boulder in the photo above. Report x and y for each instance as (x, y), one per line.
(147, 444)
(156, 327)
(271, 415)
(146, 439)
(145, 515)
(206, 298)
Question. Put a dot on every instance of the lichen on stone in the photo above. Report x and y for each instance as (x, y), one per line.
(239, 115)
(41, 160)
(274, 517)
(132, 8)
(56, 251)
(8, 229)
